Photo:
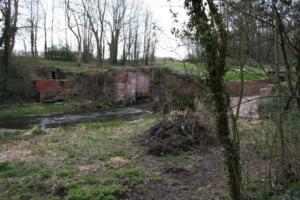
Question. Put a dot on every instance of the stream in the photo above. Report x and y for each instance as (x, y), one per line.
(125, 113)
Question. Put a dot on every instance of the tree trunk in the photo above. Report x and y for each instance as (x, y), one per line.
(213, 38)
(7, 43)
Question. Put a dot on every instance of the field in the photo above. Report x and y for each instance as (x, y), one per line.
(104, 161)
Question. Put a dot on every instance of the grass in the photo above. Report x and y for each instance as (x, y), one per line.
(68, 66)
(19, 169)
(233, 74)
(85, 68)
(250, 73)
(177, 66)
(75, 163)
(30, 110)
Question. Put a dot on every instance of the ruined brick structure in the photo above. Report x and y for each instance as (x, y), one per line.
(119, 85)
(128, 84)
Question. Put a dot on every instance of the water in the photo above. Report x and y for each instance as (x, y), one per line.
(126, 113)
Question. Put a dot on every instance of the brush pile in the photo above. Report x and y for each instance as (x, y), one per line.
(183, 131)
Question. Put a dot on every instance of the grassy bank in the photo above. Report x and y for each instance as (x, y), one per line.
(90, 161)
(103, 161)
(28, 110)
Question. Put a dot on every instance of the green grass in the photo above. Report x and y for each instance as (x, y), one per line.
(233, 74)
(27, 110)
(19, 169)
(250, 73)
(78, 163)
(177, 66)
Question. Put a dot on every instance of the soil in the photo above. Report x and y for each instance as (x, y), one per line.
(202, 177)
(248, 107)
(197, 178)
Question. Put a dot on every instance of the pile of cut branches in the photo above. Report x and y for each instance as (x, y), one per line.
(182, 131)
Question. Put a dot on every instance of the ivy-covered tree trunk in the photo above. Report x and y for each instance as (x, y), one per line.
(206, 25)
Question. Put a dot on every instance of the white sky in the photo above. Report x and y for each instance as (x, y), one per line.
(168, 45)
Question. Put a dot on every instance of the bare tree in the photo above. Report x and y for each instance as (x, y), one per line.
(117, 10)
(33, 6)
(73, 21)
(45, 17)
(96, 13)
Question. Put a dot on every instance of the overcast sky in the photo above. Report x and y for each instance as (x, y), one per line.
(168, 45)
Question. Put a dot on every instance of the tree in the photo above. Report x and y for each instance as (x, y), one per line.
(44, 9)
(33, 6)
(73, 20)
(9, 11)
(96, 13)
(208, 29)
(117, 10)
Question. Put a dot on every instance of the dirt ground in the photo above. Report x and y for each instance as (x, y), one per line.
(248, 107)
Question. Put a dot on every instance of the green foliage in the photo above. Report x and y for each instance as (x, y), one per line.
(63, 53)
(293, 192)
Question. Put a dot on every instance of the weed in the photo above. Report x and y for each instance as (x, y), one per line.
(37, 132)
(293, 192)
